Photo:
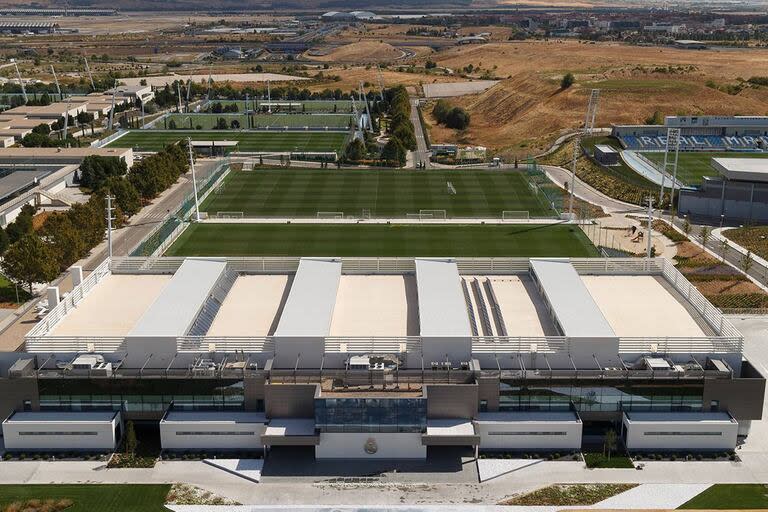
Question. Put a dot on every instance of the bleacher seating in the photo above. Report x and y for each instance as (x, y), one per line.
(697, 143)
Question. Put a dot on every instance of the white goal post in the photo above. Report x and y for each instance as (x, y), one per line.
(229, 215)
(433, 214)
(511, 215)
(330, 215)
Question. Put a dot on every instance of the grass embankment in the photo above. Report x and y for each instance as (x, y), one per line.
(569, 495)
(731, 497)
(86, 498)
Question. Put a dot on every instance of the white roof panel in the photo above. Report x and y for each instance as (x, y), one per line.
(308, 310)
(679, 417)
(748, 169)
(62, 417)
(214, 417)
(174, 311)
(442, 308)
(527, 417)
(573, 306)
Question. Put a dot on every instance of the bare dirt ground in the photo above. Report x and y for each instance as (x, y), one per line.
(526, 111)
(362, 51)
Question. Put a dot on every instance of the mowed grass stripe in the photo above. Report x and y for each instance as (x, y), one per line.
(154, 140)
(382, 240)
(386, 193)
(692, 167)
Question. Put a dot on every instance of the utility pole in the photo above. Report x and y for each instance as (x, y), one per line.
(110, 218)
(364, 98)
(247, 113)
(66, 124)
(88, 70)
(650, 226)
(210, 83)
(381, 83)
(178, 96)
(21, 82)
(269, 97)
(189, 88)
(194, 180)
(56, 79)
(142, 113)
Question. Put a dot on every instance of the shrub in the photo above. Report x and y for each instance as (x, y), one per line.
(567, 81)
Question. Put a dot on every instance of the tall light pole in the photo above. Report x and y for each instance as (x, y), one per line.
(56, 79)
(21, 82)
(194, 180)
(576, 154)
(650, 226)
(110, 218)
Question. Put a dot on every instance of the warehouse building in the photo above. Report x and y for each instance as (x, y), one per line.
(387, 357)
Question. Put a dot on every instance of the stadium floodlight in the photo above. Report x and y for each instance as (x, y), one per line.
(672, 145)
(650, 225)
(194, 180)
(56, 79)
(110, 218)
(88, 70)
(112, 110)
(21, 82)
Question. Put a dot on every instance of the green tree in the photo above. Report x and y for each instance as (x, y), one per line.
(355, 151)
(686, 226)
(441, 110)
(746, 262)
(567, 81)
(221, 124)
(30, 260)
(22, 224)
(611, 442)
(90, 220)
(705, 234)
(4, 241)
(457, 118)
(655, 118)
(130, 439)
(64, 238)
(126, 195)
(95, 170)
(394, 152)
(172, 125)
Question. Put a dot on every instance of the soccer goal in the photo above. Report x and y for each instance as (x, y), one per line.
(451, 188)
(432, 214)
(512, 215)
(330, 215)
(229, 215)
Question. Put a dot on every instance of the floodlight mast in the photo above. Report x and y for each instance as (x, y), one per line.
(65, 135)
(21, 82)
(194, 180)
(650, 225)
(88, 70)
(56, 79)
(269, 97)
(112, 110)
(110, 218)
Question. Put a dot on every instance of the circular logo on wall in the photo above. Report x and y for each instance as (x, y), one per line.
(370, 446)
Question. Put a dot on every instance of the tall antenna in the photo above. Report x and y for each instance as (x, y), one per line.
(88, 70)
(21, 82)
(381, 82)
(56, 79)
(673, 145)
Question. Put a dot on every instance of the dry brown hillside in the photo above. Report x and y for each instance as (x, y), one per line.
(527, 110)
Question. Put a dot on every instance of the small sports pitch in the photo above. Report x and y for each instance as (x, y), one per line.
(255, 141)
(375, 193)
(292, 106)
(692, 167)
(257, 121)
(384, 240)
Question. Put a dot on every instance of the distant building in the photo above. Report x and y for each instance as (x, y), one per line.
(347, 16)
(689, 44)
(471, 40)
(606, 154)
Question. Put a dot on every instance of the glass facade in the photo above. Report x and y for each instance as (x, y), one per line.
(601, 396)
(371, 414)
(141, 395)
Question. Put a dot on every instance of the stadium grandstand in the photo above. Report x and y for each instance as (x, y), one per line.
(698, 133)
(20, 27)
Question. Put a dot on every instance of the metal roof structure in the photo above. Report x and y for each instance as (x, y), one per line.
(19, 180)
(178, 305)
(308, 310)
(679, 417)
(745, 169)
(442, 308)
(527, 417)
(573, 307)
(214, 417)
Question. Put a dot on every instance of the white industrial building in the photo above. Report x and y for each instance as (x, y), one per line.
(64, 431)
(381, 358)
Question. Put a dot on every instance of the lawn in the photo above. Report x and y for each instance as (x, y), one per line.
(754, 238)
(208, 121)
(90, 498)
(8, 292)
(153, 140)
(382, 240)
(731, 496)
(692, 167)
(386, 193)
(596, 460)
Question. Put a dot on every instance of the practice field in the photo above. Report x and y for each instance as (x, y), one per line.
(88, 498)
(258, 121)
(385, 193)
(309, 106)
(153, 140)
(450, 240)
(692, 167)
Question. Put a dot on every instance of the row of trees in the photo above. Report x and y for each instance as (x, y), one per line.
(37, 255)
(452, 117)
(401, 131)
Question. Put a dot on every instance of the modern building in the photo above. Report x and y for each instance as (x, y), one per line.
(606, 155)
(382, 357)
(736, 192)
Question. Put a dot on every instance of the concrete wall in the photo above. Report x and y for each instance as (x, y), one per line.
(387, 446)
(65, 436)
(454, 349)
(211, 436)
(680, 436)
(741, 397)
(515, 435)
(451, 400)
(290, 400)
(308, 351)
(13, 393)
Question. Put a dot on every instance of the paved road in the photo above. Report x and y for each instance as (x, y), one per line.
(562, 178)
(422, 153)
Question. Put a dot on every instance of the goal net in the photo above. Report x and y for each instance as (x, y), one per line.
(330, 215)
(229, 215)
(451, 188)
(515, 215)
(432, 214)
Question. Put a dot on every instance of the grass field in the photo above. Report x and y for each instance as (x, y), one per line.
(692, 167)
(386, 193)
(150, 140)
(381, 240)
(208, 121)
(91, 498)
(731, 496)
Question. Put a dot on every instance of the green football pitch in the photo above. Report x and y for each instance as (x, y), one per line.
(385, 193)
(449, 240)
(152, 140)
(692, 167)
(276, 121)
(309, 106)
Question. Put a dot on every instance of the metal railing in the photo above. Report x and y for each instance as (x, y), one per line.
(374, 345)
(201, 344)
